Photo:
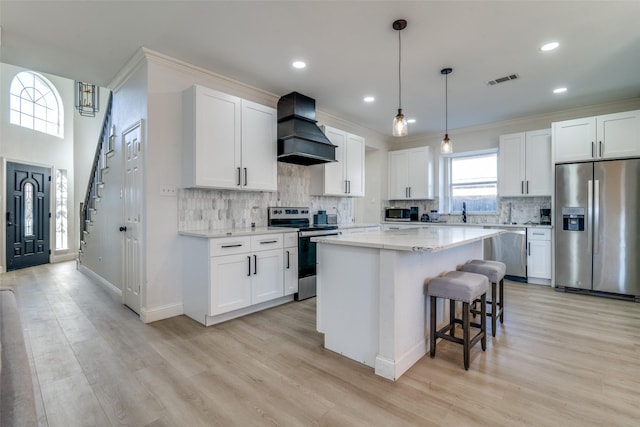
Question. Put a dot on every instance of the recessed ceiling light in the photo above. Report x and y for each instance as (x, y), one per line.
(369, 99)
(411, 120)
(560, 90)
(299, 64)
(549, 46)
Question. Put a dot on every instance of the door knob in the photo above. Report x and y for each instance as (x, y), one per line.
(123, 228)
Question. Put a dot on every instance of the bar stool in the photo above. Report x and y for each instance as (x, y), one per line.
(494, 271)
(464, 287)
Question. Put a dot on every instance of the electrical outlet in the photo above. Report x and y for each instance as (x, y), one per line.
(168, 191)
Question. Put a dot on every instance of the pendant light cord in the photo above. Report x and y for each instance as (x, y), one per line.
(399, 70)
(446, 103)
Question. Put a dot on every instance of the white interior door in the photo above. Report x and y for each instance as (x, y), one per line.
(132, 263)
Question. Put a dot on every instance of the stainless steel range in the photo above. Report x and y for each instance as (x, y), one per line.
(300, 218)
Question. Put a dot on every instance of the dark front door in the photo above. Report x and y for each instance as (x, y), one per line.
(27, 217)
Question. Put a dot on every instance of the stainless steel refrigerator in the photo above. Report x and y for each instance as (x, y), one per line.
(597, 226)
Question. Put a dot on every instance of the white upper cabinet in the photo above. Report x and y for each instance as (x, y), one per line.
(601, 137)
(259, 147)
(411, 174)
(345, 176)
(228, 142)
(525, 164)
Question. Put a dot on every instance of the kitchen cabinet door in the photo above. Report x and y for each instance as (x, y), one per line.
(230, 283)
(259, 147)
(354, 165)
(511, 161)
(411, 174)
(345, 176)
(538, 254)
(398, 175)
(574, 140)
(524, 164)
(212, 136)
(267, 280)
(618, 135)
(290, 270)
(538, 165)
(333, 174)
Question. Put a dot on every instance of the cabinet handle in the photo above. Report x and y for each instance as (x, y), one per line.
(255, 264)
(529, 248)
(409, 191)
(527, 187)
(406, 192)
(232, 246)
(288, 264)
(249, 264)
(239, 176)
(593, 148)
(600, 148)
(264, 242)
(349, 185)
(521, 187)
(245, 177)
(346, 189)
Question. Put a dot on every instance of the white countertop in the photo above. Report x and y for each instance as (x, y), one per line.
(356, 225)
(464, 224)
(210, 234)
(423, 239)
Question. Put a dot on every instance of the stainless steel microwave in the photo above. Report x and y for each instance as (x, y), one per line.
(397, 214)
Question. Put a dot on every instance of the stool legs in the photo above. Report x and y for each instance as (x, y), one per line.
(447, 332)
(497, 305)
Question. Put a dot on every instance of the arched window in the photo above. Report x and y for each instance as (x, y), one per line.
(36, 104)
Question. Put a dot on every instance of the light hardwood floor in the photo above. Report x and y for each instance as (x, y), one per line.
(559, 360)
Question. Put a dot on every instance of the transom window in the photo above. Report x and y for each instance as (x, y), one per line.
(472, 178)
(35, 104)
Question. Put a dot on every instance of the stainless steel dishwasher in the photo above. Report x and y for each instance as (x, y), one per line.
(511, 248)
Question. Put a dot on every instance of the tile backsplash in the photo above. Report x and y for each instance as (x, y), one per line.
(208, 209)
(510, 209)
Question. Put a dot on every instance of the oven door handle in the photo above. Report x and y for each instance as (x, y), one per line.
(318, 233)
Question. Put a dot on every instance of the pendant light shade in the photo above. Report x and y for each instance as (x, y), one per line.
(446, 146)
(399, 122)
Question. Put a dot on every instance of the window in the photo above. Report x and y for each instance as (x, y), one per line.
(35, 104)
(61, 209)
(472, 178)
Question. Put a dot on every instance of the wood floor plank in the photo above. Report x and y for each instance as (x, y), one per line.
(559, 359)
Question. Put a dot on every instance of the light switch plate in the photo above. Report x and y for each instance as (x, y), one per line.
(168, 191)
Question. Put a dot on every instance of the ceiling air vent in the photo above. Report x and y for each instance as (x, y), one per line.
(502, 79)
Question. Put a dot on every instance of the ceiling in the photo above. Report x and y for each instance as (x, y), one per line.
(352, 51)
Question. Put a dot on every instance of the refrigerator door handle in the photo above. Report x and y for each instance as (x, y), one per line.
(589, 213)
(596, 216)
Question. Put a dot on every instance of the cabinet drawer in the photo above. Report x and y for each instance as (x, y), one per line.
(291, 240)
(230, 245)
(266, 242)
(539, 234)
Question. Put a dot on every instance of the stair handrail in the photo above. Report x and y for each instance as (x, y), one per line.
(104, 136)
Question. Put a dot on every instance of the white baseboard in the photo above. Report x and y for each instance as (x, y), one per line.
(101, 280)
(159, 313)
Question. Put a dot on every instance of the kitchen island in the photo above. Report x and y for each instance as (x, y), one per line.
(371, 303)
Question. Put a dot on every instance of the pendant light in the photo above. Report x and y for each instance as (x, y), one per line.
(446, 146)
(399, 122)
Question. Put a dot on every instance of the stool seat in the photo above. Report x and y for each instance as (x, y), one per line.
(459, 286)
(494, 270)
(466, 288)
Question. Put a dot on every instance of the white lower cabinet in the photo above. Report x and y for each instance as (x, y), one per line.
(228, 277)
(290, 263)
(230, 283)
(539, 255)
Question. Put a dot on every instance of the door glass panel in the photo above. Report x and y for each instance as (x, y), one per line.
(28, 209)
